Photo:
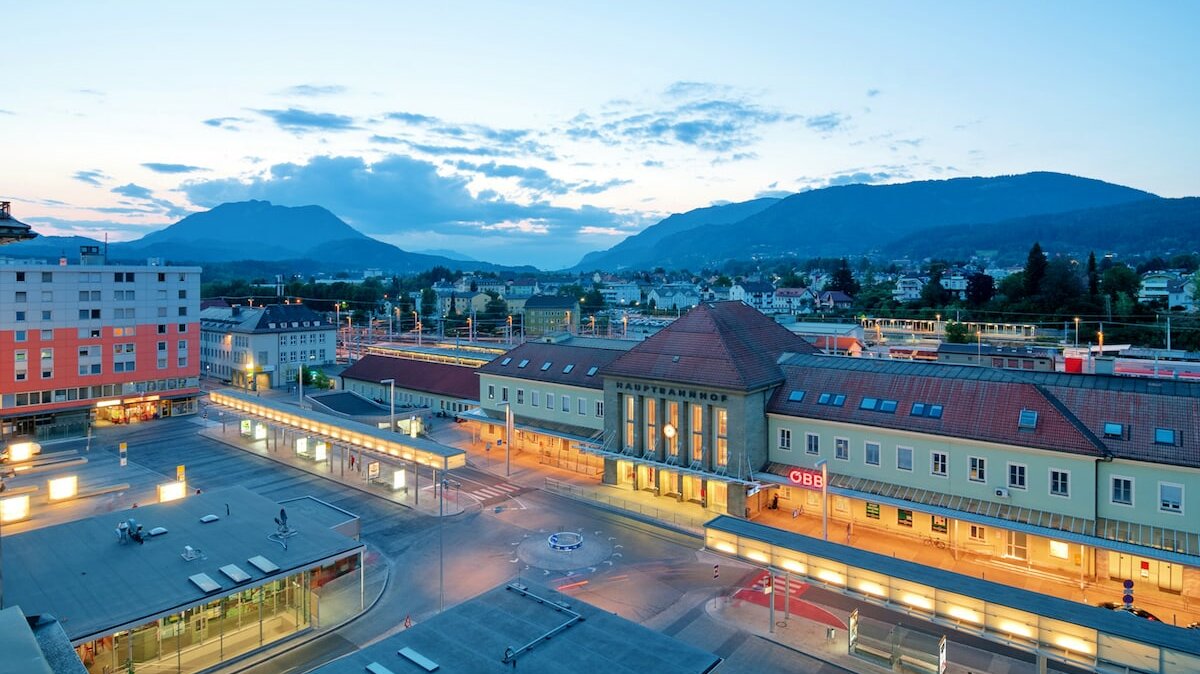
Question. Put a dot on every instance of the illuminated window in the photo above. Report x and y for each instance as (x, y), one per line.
(650, 442)
(722, 433)
(1059, 549)
(630, 408)
(697, 426)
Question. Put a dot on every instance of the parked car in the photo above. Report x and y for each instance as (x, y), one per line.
(1139, 612)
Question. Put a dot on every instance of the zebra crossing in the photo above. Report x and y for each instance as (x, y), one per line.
(500, 490)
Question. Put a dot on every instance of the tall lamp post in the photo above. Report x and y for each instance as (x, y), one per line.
(417, 326)
(1076, 332)
(979, 347)
(824, 466)
(392, 398)
(508, 433)
(442, 545)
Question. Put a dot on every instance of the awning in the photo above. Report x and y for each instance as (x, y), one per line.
(576, 434)
(660, 465)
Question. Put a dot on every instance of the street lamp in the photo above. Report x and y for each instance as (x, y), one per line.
(392, 398)
(508, 433)
(510, 328)
(417, 326)
(442, 545)
(824, 466)
(979, 346)
(1076, 332)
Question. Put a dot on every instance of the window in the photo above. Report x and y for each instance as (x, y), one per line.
(1016, 475)
(868, 404)
(1059, 549)
(46, 315)
(491, 391)
(918, 410)
(796, 396)
(1164, 436)
(566, 403)
(183, 329)
(839, 400)
(592, 371)
(47, 277)
(1027, 419)
(697, 428)
(182, 294)
(46, 335)
(1170, 497)
(785, 439)
(520, 396)
(1122, 490)
(630, 421)
(1060, 482)
(20, 276)
(534, 398)
(546, 366)
(841, 448)
(978, 469)
(19, 296)
(935, 411)
(506, 361)
(183, 311)
(904, 458)
(162, 329)
(824, 398)
(20, 316)
(1113, 430)
(19, 335)
(523, 363)
(568, 368)
(939, 524)
(599, 406)
(834, 399)
(812, 443)
(887, 406)
(904, 517)
(582, 406)
(721, 434)
(872, 510)
(504, 394)
(938, 464)
(872, 453)
(978, 533)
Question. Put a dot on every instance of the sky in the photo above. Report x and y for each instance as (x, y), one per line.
(534, 132)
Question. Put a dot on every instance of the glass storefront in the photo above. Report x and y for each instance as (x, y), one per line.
(208, 634)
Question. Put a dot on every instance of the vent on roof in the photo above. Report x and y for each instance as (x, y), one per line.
(674, 359)
(1027, 419)
(376, 668)
(545, 366)
(568, 368)
(523, 363)
(592, 370)
(234, 573)
(418, 659)
(263, 564)
(209, 519)
(207, 585)
(506, 361)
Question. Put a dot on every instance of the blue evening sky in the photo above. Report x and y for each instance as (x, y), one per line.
(533, 132)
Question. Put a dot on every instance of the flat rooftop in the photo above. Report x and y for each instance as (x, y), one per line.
(95, 585)
(472, 638)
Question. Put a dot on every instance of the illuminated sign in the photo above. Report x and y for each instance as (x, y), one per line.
(806, 477)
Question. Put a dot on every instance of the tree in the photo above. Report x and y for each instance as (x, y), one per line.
(957, 333)
(933, 294)
(1093, 277)
(980, 289)
(843, 279)
(1035, 270)
(1061, 288)
(1012, 287)
(1118, 280)
(428, 302)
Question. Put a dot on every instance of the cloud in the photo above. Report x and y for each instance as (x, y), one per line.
(229, 123)
(7, 112)
(442, 150)
(297, 120)
(537, 179)
(596, 188)
(399, 194)
(773, 194)
(313, 90)
(704, 116)
(386, 140)
(93, 229)
(91, 177)
(412, 118)
(172, 168)
(827, 122)
(133, 191)
(872, 93)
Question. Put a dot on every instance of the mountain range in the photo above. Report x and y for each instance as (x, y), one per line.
(913, 218)
(260, 231)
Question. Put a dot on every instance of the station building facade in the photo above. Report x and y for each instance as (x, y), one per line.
(1083, 477)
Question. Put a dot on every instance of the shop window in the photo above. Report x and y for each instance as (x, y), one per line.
(904, 517)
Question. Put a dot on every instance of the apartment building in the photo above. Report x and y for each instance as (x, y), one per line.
(263, 347)
(95, 342)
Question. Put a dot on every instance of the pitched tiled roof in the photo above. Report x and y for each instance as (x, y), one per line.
(550, 302)
(580, 359)
(721, 344)
(757, 287)
(455, 381)
(977, 403)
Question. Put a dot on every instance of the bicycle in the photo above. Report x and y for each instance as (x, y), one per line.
(936, 542)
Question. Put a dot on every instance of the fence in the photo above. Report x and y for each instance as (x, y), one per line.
(662, 515)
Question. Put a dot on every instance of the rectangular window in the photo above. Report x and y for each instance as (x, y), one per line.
(19, 296)
(20, 316)
(785, 439)
(47, 277)
(566, 403)
(630, 420)
(534, 398)
(904, 458)
(1164, 436)
(1059, 549)
(871, 451)
(1016, 476)
(872, 510)
(520, 396)
(1060, 482)
(938, 464)
(1113, 430)
(904, 517)
(581, 406)
(504, 394)
(978, 469)
(549, 402)
(887, 406)
(722, 435)
(939, 524)
(812, 443)
(697, 427)
(18, 335)
(1122, 490)
(491, 391)
(599, 407)
(1170, 497)
(978, 533)
(46, 335)
(1027, 419)
(841, 448)
(868, 404)
(650, 442)
(673, 422)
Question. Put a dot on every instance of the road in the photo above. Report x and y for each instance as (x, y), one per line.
(651, 575)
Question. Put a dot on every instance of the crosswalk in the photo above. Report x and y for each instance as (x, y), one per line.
(500, 490)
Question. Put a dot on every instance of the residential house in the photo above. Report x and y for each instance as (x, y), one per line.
(547, 314)
(794, 300)
(908, 288)
(263, 347)
(834, 299)
(758, 294)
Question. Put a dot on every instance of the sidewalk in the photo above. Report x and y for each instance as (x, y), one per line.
(419, 496)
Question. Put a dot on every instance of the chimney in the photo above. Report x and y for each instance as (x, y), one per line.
(236, 310)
